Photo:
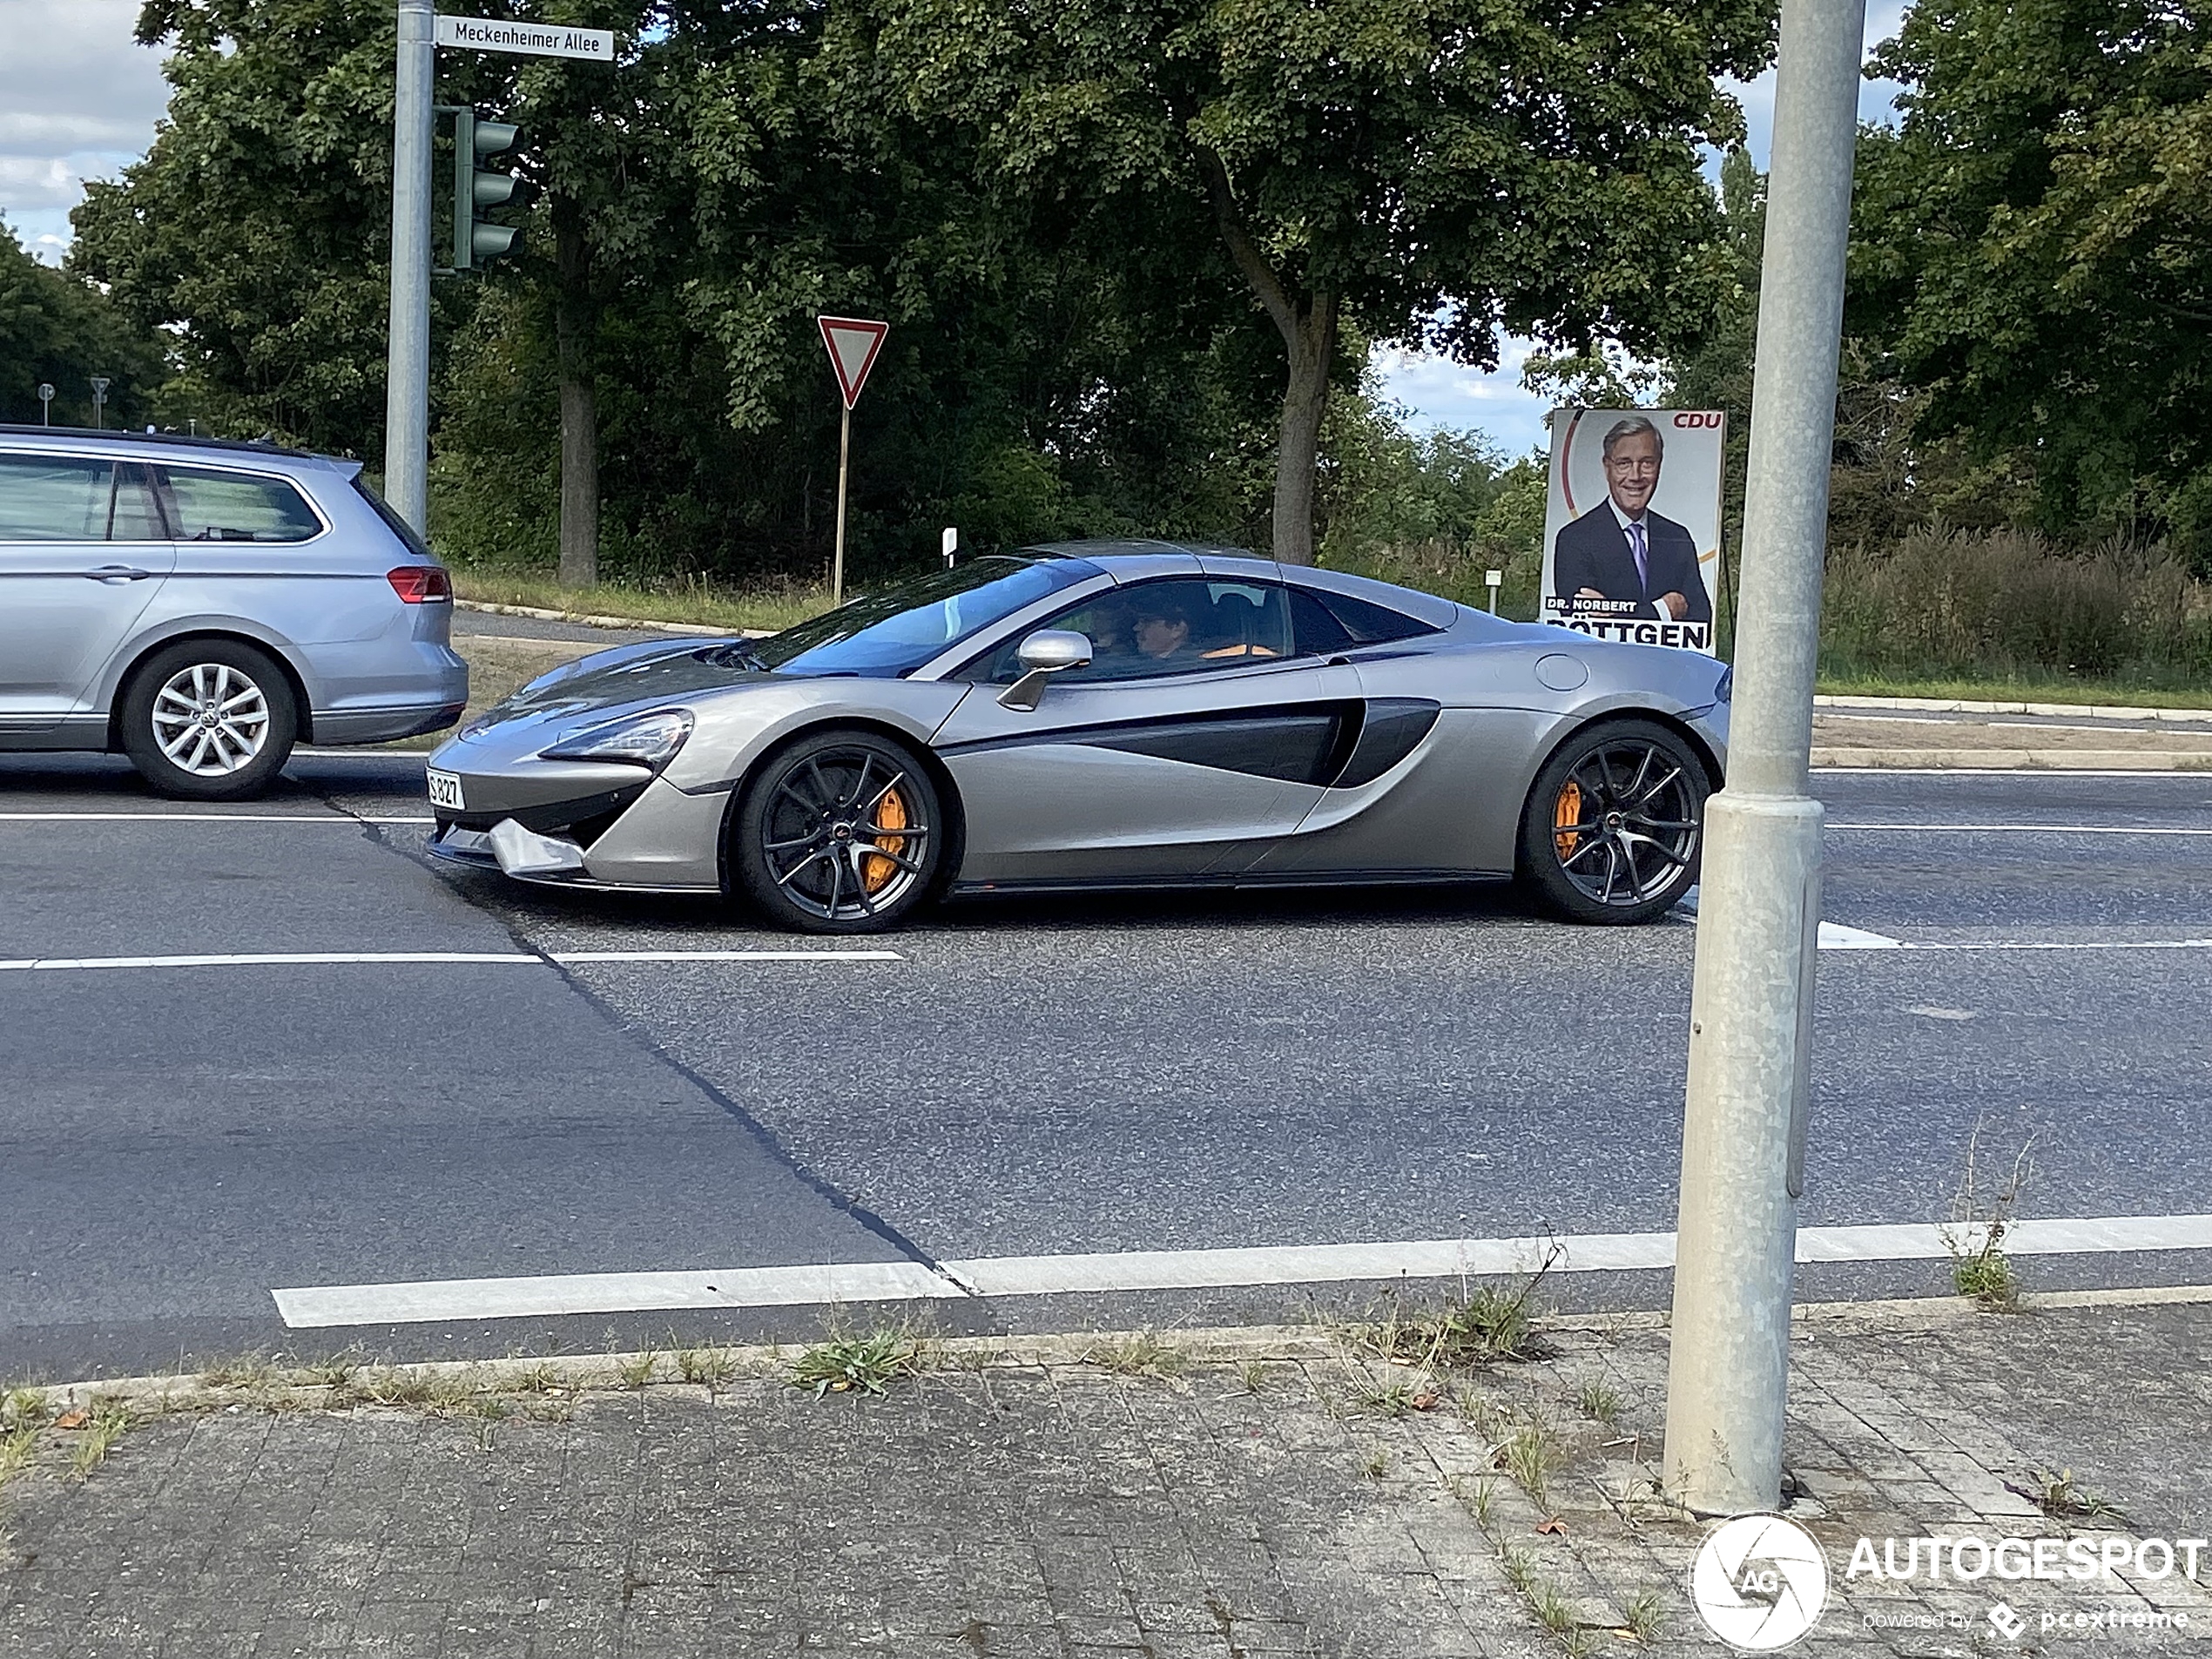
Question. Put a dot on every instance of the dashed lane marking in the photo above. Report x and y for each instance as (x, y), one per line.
(1171, 1269)
(2017, 829)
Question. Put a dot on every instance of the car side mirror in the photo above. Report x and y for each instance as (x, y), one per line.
(1044, 653)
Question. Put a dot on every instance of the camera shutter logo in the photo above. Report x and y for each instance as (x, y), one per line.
(1759, 1582)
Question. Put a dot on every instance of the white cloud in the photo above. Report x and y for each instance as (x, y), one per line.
(78, 100)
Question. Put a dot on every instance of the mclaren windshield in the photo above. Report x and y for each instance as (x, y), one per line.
(895, 630)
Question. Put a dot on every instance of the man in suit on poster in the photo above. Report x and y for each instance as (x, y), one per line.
(1622, 551)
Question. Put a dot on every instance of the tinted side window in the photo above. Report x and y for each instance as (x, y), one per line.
(1319, 634)
(1175, 626)
(1364, 623)
(55, 498)
(236, 507)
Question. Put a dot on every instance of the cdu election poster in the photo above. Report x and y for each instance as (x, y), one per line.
(1632, 529)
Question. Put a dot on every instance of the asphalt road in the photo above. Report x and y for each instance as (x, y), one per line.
(1031, 1078)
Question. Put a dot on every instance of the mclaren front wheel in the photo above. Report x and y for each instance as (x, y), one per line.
(1615, 823)
(841, 832)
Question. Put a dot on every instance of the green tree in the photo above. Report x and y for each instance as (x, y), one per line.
(258, 226)
(57, 327)
(1422, 172)
(2033, 245)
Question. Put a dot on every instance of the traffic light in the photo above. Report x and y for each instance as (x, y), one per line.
(476, 241)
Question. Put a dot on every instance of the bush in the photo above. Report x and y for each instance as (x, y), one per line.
(2009, 604)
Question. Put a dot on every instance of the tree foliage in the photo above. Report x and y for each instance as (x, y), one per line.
(59, 329)
(1420, 172)
(2034, 246)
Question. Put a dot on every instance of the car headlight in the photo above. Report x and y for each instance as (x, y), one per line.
(640, 740)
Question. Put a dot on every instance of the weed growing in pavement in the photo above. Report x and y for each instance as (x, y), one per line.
(22, 1405)
(1482, 1499)
(1553, 1610)
(239, 1371)
(1981, 1270)
(1645, 1616)
(1598, 1402)
(1141, 1355)
(1378, 1464)
(709, 1367)
(2063, 1498)
(105, 1421)
(638, 1370)
(867, 1364)
(1492, 1324)
(1254, 1375)
(1531, 1456)
(18, 1446)
(1520, 1571)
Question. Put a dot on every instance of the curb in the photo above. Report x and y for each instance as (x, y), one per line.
(1197, 1346)
(1966, 705)
(2016, 760)
(632, 624)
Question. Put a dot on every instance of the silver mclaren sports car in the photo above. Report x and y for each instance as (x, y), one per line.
(1101, 715)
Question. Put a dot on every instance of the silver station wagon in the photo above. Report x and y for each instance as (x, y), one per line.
(202, 606)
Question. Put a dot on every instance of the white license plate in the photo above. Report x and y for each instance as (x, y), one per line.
(445, 790)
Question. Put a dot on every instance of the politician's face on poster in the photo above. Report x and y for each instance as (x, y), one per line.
(1632, 524)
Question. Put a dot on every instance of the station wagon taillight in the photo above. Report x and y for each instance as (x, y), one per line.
(419, 585)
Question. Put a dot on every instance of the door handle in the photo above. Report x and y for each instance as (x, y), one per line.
(113, 573)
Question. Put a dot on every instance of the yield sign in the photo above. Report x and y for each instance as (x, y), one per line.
(853, 343)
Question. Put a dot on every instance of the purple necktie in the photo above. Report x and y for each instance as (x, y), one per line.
(1635, 543)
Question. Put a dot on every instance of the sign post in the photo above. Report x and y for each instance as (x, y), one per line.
(853, 343)
(45, 403)
(407, 377)
(1750, 1008)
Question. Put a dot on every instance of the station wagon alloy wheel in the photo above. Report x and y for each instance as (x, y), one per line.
(1613, 823)
(210, 720)
(839, 834)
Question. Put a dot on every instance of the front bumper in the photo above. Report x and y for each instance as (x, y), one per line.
(644, 836)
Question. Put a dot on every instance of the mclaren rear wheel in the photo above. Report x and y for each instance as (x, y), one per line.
(842, 833)
(1615, 823)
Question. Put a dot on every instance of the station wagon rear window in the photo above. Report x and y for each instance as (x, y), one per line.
(212, 506)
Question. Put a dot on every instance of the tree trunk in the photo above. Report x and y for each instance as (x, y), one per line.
(1312, 343)
(1307, 322)
(575, 328)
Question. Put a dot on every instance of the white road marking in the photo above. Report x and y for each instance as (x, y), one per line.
(1835, 936)
(509, 1298)
(2038, 774)
(2017, 829)
(1171, 1269)
(406, 958)
(726, 956)
(207, 818)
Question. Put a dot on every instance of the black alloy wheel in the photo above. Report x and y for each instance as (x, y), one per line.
(1615, 823)
(842, 833)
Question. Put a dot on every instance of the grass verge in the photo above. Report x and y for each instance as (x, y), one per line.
(2075, 692)
(694, 601)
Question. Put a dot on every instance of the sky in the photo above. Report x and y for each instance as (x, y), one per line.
(79, 98)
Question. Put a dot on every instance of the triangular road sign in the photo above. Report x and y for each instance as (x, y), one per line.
(853, 343)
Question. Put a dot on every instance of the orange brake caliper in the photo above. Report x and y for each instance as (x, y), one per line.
(1566, 814)
(891, 814)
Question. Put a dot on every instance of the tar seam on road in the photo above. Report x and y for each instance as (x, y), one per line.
(1177, 1269)
(776, 1152)
(349, 818)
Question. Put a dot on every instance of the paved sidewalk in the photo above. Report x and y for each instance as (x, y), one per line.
(1225, 1494)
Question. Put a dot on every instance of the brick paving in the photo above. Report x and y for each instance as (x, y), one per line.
(1019, 1502)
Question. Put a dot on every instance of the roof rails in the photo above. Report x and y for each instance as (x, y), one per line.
(75, 433)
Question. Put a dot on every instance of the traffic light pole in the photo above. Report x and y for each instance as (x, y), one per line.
(1750, 1015)
(407, 388)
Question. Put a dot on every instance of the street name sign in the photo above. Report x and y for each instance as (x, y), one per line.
(854, 343)
(540, 40)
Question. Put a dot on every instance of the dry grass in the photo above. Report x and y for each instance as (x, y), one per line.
(689, 600)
